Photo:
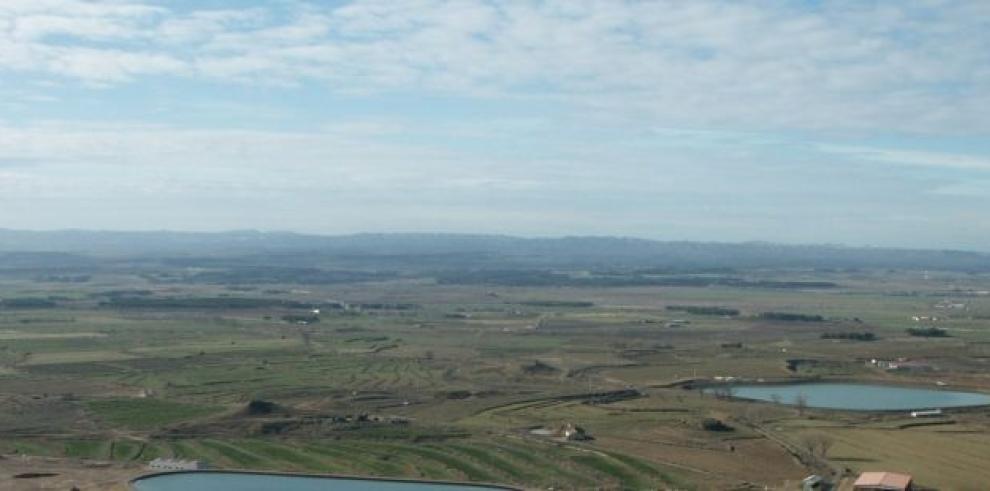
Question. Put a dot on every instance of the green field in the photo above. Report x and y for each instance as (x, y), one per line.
(144, 414)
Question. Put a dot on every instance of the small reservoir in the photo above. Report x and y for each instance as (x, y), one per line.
(857, 397)
(246, 481)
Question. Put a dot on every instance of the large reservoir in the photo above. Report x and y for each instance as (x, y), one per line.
(859, 397)
(245, 481)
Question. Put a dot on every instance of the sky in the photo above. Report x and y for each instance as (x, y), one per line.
(797, 121)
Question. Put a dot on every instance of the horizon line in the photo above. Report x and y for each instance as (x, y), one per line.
(834, 245)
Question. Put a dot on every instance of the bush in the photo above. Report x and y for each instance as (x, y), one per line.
(698, 310)
(791, 317)
(712, 424)
(928, 332)
(855, 336)
(258, 407)
(540, 368)
(557, 303)
(26, 303)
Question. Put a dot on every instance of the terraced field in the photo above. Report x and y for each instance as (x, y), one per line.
(499, 460)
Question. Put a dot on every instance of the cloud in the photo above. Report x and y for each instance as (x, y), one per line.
(200, 26)
(975, 188)
(938, 160)
(844, 65)
(36, 27)
(345, 158)
(81, 8)
(102, 66)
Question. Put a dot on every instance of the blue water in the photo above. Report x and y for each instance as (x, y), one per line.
(233, 481)
(860, 397)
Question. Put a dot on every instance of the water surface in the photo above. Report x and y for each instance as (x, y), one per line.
(235, 481)
(859, 397)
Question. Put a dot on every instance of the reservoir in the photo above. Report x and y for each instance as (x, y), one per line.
(244, 481)
(858, 397)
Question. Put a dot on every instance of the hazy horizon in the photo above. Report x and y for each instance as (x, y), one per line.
(399, 233)
(797, 122)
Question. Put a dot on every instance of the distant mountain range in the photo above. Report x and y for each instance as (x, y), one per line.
(469, 251)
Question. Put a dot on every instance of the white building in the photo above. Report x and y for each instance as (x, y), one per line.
(812, 483)
(161, 464)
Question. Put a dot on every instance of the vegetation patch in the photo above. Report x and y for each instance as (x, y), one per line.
(557, 303)
(611, 468)
(199, 303)
(701, 310)
(26, 303)
(928, 332)
(145, 414)
(854, 336)
(790, 317)
(87, 449)
(712, 424)
(540, 368)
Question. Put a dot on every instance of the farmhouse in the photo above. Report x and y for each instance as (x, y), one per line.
(883, 481)
(161, 464)
(570, 431)
(901, 365)
(910, 366)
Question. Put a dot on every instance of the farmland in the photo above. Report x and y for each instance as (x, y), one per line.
(421, 375)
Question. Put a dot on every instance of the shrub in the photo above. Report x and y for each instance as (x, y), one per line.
(712, 424)
(699, 310)
(791, 317)
(855, 336)
(928, 332)
(258, 407)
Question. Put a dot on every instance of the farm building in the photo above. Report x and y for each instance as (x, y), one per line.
(570, 431)
(902, 365)
(882, 481)
(161, 464)
(812, 483)
(910, 366)
(931, 413)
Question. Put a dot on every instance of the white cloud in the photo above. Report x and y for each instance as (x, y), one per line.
(102, 66)
(35, 27)
(842, 66)
(76, 159)
(975, 188)
(204, 25)
(80, 8)
(911, 157)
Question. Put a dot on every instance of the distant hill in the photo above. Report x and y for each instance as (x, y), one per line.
(462, 251)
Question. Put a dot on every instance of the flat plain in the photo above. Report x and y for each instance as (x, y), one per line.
(420, 378)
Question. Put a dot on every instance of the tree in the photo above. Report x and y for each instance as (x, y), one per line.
(755, 414)
(307, 338)
(801, 403)
(816, 444)
(722, 392)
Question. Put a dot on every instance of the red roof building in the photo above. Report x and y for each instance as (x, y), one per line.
(882, 481)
